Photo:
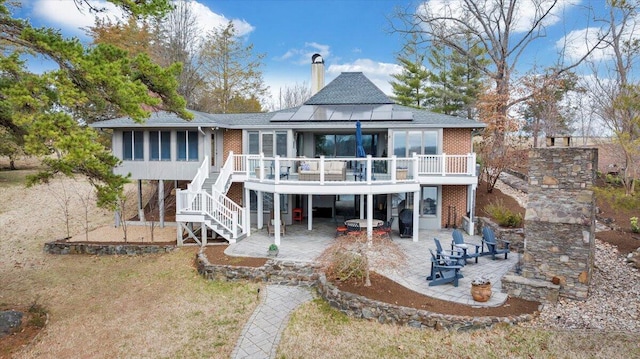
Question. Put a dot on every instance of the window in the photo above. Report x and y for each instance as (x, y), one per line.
(281, 144)
(344, 145)
(268, 143)
(405, 143)
(160, 146)
(187, 145)
(132, 145)
(254, 143)
(267, 202)
(429, 201)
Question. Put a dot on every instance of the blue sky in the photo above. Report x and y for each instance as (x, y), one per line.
(352, 35)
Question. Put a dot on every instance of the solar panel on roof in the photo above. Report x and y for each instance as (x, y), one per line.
(282, 116)
(402, 115)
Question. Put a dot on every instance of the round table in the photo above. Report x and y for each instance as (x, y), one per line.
(363, 222)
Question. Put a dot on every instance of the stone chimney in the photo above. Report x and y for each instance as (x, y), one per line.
(317, 73)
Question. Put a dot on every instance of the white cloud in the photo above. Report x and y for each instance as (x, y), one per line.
(578, 42)
(65, 15)
(208, 20)
(525, 11)
(302, 56)
(378, 72)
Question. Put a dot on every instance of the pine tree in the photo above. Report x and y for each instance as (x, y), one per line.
(454, 82)
(409, 89)
(50, 111)
(233, 79)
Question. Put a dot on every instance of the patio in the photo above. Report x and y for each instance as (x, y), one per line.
(302, 245)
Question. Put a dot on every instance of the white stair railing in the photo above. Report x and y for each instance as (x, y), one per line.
(216, 207)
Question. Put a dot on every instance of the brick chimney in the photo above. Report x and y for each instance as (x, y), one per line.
(317, 73)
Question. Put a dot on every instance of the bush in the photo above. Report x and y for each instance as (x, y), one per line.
(348, 265)
(635, 228)
(502, 215)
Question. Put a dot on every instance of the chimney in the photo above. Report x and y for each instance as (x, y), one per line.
(317, 73)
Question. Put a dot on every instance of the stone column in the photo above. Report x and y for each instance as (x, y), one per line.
(560, 219)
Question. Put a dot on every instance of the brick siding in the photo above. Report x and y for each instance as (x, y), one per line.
(456, 141)
(454, 196)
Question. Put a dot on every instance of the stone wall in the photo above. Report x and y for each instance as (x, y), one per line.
(63, 247)
(273, 271)
(515, 236)
(385, 313)
(307, 274)
(530, 289)
(560, 219)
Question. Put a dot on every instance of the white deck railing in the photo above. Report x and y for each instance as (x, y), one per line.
(216, 206)
(370, 169)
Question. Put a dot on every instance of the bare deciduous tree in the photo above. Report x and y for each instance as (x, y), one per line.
(612, 88)
(292, 96)
(354, 256)
(504, 30)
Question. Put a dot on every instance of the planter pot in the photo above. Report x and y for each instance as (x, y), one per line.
(481, 292)
(274, 253)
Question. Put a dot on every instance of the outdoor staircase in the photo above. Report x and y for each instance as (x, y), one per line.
(205, 201)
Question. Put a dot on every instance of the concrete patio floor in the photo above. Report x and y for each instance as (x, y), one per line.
(301, 245)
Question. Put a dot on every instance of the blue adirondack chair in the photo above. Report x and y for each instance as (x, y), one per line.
(489, 239)
(455, 255)
(459, 244)
(443, 270)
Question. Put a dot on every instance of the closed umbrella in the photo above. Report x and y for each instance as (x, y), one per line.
(359, 147)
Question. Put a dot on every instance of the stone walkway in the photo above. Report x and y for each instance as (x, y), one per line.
(261, 335)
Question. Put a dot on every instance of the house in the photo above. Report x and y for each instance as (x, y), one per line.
(248, 169)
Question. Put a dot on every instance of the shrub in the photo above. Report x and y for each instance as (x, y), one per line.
(635, 228)
(38, 315)
(273, 247)
(502, 215)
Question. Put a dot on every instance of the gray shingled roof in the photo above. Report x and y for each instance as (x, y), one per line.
(349, 93)
(349, 88)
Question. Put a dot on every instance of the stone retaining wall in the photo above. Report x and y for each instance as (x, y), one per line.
(362, 307)
(514, 235)
(273, 271)
(530, 289)
(64, 247)
(307, 274)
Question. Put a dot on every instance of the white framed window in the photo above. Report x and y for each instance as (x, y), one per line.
(405, 143)
(429, 201)
(159, 146)
(268, 142)
(187, 146)
(133, 145)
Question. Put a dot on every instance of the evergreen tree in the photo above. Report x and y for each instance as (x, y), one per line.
(455, 81)
(232, 75)
(409, 89)
(50, 111)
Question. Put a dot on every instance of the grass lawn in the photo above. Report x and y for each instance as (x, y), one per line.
(157, 306)
(318, 331)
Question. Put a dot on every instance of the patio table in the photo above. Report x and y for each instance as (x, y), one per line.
(363, 222)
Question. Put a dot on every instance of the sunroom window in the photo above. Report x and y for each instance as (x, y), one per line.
(187, 145)
(160, 145)
(133, 145)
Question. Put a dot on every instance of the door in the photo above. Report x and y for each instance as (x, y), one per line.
(216, 156)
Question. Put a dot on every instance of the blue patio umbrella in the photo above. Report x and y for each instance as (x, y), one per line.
(359, 147)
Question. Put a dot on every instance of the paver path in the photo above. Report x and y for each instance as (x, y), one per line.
(261, 335)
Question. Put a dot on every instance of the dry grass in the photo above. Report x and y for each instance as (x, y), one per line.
(154, 306)
(157, 306)
(318, 331)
